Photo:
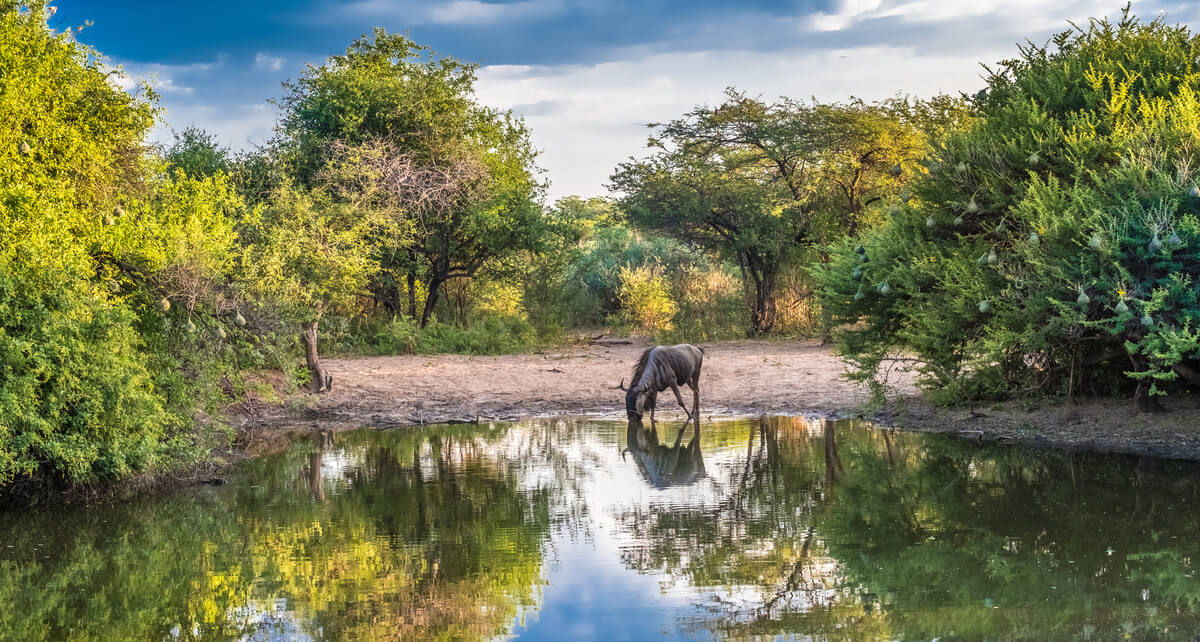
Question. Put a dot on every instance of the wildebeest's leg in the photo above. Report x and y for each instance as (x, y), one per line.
(694, 384)
(679, 398)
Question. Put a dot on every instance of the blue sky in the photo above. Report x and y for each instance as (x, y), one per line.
(586, 74)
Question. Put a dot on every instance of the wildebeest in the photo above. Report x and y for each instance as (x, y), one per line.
(659, 368)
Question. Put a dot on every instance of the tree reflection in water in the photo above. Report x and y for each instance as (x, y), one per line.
(781, 526)
(396, 535)
(840, 532)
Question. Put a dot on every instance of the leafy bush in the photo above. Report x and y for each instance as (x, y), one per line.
(75, 398)
(593, 283)
(113, 274)
(645, 300)
(1053, 244)
(401, 335)
(712, 305)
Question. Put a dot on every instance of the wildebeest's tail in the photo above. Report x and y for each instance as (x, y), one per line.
(640, 367)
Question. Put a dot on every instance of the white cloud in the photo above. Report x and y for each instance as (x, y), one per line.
(166, 79)
(238, 126)
(1035, 14)
(268, 63)
(587, 119)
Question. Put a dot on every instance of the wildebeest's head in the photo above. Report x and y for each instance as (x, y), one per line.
(635, 403)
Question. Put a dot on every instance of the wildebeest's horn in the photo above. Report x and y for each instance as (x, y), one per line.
(622, 384)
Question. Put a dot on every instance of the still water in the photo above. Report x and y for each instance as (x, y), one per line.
(778, 528)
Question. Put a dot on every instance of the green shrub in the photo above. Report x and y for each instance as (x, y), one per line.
(712, 305)
(591, 292)
(1053, 244)
(114, 303)
(491, 335)
(76, 400)
(401, 335)
(646, 303)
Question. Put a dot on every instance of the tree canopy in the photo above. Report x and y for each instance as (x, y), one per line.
(764, 182)
(453, 181)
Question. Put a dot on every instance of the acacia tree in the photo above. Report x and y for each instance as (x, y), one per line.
(454, 216)
(763, 182)
(399, 121)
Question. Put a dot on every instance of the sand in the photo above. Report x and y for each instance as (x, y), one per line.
(739, 378)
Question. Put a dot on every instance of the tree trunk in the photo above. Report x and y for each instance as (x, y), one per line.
(412, 294)
(763, 315)
(431, 300)
(319, 381)
(826, 315)
(1142, 399)
(758, 280)
(826, 326)
(387, 295)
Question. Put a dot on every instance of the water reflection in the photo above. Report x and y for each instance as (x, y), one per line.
(663, 465)
(777, 527)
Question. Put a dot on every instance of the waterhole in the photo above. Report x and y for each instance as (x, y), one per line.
(773, 528)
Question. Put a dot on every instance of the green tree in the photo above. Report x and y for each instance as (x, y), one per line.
(453, 180)
(309, 258)
(197, 154)
(1050, 244)
(761, 183)
(387, 87)
(77, 400)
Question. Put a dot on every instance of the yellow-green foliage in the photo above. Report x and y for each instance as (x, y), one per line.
(646, 302)
(75, 397)
(711, 304)
(310, 255)
(97, 375)
(1052, 243)
(799, 311)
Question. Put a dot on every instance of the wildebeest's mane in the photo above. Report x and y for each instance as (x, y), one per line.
(640, 367)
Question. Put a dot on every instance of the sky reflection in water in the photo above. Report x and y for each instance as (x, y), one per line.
(552, 530)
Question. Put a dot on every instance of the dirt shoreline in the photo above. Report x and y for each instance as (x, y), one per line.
(739, 378)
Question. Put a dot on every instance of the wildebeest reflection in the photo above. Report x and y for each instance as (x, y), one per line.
(662, 465)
